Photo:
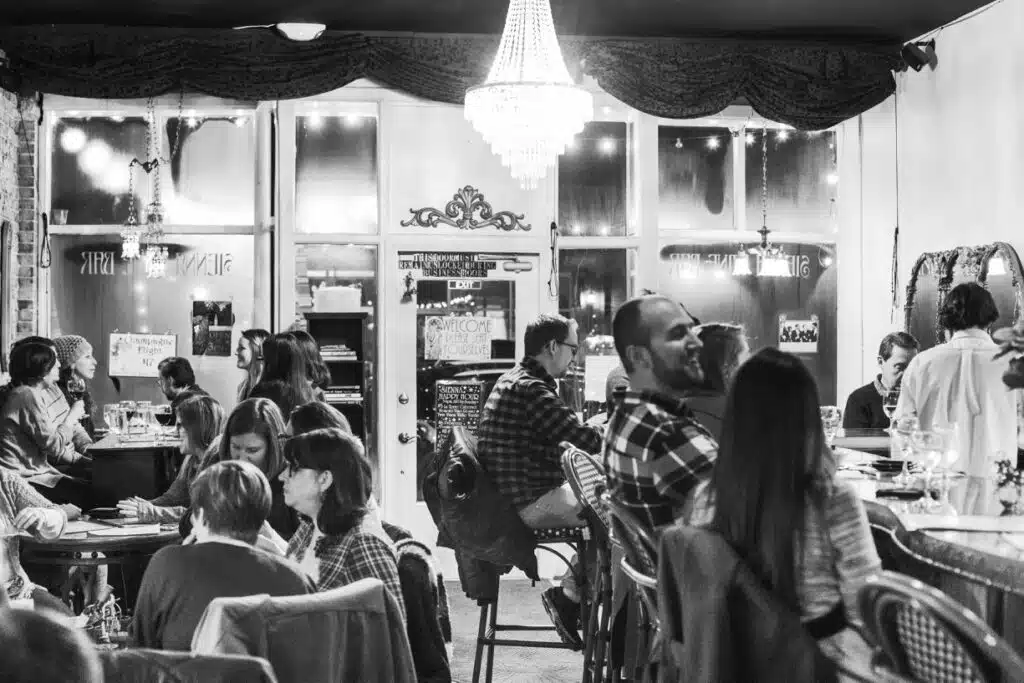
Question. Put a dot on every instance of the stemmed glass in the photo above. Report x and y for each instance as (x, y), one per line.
(900, 446)
(889, 403)
(932, 447)
(831, 418)
(76, 387)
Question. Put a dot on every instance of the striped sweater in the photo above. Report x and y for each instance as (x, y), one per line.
(15, 496)
(34, 436)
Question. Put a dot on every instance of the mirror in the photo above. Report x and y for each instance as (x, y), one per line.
(996, 266)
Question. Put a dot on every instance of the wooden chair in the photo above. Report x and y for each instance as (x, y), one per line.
(586, 477)
(927, 636)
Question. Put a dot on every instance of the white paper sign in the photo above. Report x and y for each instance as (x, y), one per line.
(595, 376)
(457, 338)
(137, 355)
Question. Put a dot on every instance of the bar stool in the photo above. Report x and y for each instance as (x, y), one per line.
(487, 633)
(586, 477)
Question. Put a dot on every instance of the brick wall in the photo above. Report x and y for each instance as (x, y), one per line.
(18, 125)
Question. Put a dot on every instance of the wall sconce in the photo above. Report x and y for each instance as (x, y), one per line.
(300, 31)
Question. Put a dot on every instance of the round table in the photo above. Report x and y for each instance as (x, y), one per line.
(66, 550)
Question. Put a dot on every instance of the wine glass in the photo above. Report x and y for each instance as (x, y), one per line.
(889, 403)
(900, 446)
(930, 446)
(76, 387)
(831, 417)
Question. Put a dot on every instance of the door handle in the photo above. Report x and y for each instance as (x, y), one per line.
(406, 437)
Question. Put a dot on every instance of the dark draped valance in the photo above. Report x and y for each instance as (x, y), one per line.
(809, 85)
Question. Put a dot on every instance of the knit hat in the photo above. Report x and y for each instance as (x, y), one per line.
(70, 348)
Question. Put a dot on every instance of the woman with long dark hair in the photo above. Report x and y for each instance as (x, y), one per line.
(249, 357)
(285, 379)
(316, 369)
(327, 481)
(775, 498)
(38, 431)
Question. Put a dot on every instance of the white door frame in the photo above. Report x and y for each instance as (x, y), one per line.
(398, 461)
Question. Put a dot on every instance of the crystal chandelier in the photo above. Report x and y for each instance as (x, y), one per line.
(771, 259)
(130, 238)
(528, 109)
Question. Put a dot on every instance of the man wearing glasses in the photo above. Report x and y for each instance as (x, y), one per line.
(521, 427)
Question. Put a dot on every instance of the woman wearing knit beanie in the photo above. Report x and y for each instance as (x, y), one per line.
(77, 368)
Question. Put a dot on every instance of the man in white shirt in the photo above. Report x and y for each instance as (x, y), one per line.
(960, 383)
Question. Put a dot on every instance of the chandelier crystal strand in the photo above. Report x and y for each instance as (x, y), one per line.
(773, 260)
(528, 110)
(130, 231)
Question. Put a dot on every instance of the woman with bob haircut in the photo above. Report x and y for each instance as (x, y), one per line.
(200, 419)
(327, 481)
(775, 498)
(230, 502)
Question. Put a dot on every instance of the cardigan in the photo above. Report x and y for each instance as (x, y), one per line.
(34, 436)
(16, 495)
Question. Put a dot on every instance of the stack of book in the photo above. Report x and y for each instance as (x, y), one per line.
(337, 352)
(343, 394)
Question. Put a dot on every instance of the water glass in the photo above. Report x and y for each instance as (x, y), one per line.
(831, 418)
(112, 416)
(900, 447)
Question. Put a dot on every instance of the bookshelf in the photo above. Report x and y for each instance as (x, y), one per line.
(343, 344)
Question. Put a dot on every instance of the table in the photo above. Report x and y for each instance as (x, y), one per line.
(121, 469)
(875, 441)
(64, 551)
(960, 543)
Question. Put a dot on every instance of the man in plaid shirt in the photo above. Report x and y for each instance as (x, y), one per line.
(656, 454)
(521, 427)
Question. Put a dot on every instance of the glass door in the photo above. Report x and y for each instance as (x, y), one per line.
(460, 325)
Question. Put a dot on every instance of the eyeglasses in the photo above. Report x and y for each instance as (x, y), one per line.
(574, 347)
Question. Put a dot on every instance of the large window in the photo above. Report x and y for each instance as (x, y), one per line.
(802, 180)
(593, 182)
(207, 167)
(695, 178)
(336, 172)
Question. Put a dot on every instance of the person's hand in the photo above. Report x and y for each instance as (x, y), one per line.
(136, 507)
(76, 413)
(72, 511)
(190, 539)
(426, 431)
(30, 519)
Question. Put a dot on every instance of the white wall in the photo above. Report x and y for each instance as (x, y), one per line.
(961, 168)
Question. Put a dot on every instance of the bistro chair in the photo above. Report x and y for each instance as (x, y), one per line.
(927, 636)
(640, 565)
(586, 477)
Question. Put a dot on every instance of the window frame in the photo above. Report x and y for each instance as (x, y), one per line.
(58, 107)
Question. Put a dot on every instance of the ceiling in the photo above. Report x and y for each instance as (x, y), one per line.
(883, 21)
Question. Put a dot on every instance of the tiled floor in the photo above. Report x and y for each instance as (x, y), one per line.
(519, 604)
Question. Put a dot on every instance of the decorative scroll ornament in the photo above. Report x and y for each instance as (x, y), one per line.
(529, 108)
(462, 212)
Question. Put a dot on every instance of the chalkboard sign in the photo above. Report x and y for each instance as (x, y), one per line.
(457, 404)
(138, 355)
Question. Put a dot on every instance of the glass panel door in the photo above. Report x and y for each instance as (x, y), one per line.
(462, 319)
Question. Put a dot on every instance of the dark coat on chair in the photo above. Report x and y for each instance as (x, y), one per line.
(474, 520)
(720, 625)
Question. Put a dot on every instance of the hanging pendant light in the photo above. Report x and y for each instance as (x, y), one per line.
(771, 260)
(528, 110)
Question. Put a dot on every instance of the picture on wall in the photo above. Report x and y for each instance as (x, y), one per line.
(211, 328)
(798, 336)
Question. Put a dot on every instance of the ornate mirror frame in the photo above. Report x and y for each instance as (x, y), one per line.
(975, 261)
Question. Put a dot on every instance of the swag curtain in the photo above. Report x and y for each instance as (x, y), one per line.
(809, 86)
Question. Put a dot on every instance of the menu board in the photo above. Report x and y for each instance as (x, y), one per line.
(457, 404)
(138, 355)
